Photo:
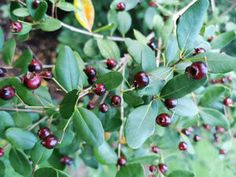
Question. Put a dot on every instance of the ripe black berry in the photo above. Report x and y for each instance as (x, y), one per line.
(90, 72)
(65, 160)
(92, 80)
(1, 152)
(121, 161)
(196, 138)
(152, 44)
(7, 93)
(163, 120)
(32, 81)
(50, 142)
(162, 168)
(207, 127)
(2, 72)
(152, 168)
(155, 149)
(198, 51)
(197, 70)
(44, 132)
(170, 103)
(35, 66)
(186, 132)
(183, 146)
(16, 27)
(103, 107)
(99, 89)
(115, 100)
(111, 63)
(121, 6)
(90, 106)
(141, 80)
(35, 4)
(228, 102)
(222, 152)
(220, 129)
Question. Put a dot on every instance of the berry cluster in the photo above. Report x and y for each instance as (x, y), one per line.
(49, 140)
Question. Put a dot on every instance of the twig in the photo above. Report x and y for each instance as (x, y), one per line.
(158, 58)
(59, 85)
(22, 110)
(213, 5)
(64, 130)
(37, 123)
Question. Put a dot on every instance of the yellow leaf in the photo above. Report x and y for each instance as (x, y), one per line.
(84, 13)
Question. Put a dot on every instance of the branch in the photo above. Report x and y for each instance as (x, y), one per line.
(22, 110)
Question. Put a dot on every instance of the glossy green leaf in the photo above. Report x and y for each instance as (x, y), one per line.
(41, 11)
(49, 172)
(23, 61)
(140, 37)
(43, 95)
(21, 12)
(146, 159)
(65, 6)
(140, 125)
(180, 86)
(8, 51)
(124, 22)
(6, 120)
(172, 49)
(20, 138)
(22, 119)
(223, 40)
(131, 170)
(186, 107)
(181, 173)
(2, 169)
(132, 99)
(50, 24)
(108, 49)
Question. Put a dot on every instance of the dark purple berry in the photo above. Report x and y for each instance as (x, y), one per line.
(32, 81)
(152, 168)
(228, 102)
(196, 138)
(115, 100)
(170, 103)
(198, 51)
(35, 66)
(1, 152)
(16, 27)
(111, 63)
(90, 72)
(183, 146)
(35, 4)
(65, 160)
(141, 80)
(50, 142)
(2, 72)
(44, 132)
(162, 168)
(155, 149)
(163, 120)
(103, 107)
(99, 89)
(7, 93)
(121, 161)
(121, 6)
(197, 70)
(90, 105)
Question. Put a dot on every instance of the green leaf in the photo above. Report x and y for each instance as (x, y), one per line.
(131, 170)
(2, 169)
(88, 126)
(111, 80)
(40, 11)
(140, 125)
(67, 71)
(212, 94)
(149, 17)
(181, 173)
(90, 48)
(105, 154)
(20, 162)
(180, 86)
(20, 138)
(40, 154)
(124, 22)
(6, 120)
(50, 24)
(214, 117)
(22, 119)
(172, 49)
(190, 24)
(23, 61)
(146, 159)
(67, 106)
(223, 40)
(8, 51)
(43, 95)
(49, 172)
(68, 7)
(186, 107)
(108, 49)
(140, 37)
(1, 39)
(21, 12)
(132, 99)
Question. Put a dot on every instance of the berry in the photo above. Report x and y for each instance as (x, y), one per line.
(32, 81)
(183, 146)
(1, 152)
(115, 100)
(197, 70)
(155, 149)
(229, 78)
(103, 107)
(186, 132)
(152, 175)
(152, 4)
(216, 138)
(162, 168)
(206, 126)
(111, 63)
(90, 106)
(65, 160)
(2, 72)
(152, 44)
(222, 152)
(47, 75)
(35, 4)
(121, 6)
(198, 51)
(196, 138)
(121, 161)
(170, 103)
(92, 80)
(90, 72)
(141, 80)
(99, 89)
(220, 129)
(7, 93)
(16, 27)
(163, 120)
(50, 142)
(35, 66)
(44, 132)
(152, 168)
(228, 102)
(210, 38)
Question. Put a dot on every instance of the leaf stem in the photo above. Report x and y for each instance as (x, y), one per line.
(22, 110)
(59, 85)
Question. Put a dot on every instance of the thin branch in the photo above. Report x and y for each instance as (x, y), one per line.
(22, 110)
(37, 123)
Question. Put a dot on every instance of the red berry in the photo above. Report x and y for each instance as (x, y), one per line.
(198, 51)
(65, 160)
(197, 70)
(35, 4)
(162, 168)
(47, 75)
(103, 107)
(32, 81)
(90, 106)
(222, 152)
(115, 100)
(163, 120)
(183, 146)
(35, 66)
(228, 102)
(90, 72)
(141, 80)
(186, 132)
(155, 149)
(1, 152)
(152, 4)
(121, 6)
(16, 27)
(2, 72)
(152, 168)
(44, 132)
(121, 161)
(196, 138)
(50, 142)
(111, 63)
(92, 80)
(170, 103)
(99, 89)
(220, 129)
(7, 93)
(207, 126)
(210, 38)
(229, 78)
